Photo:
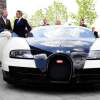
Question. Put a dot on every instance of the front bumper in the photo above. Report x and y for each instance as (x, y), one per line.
(23, 75)
(33, 75)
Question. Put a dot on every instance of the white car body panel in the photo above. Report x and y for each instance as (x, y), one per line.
(4, 37)
(3, 41)
(18, 63)
(93, 63)
(96, 45)
(16, 43)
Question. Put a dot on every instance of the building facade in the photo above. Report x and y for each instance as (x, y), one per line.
(2, 5)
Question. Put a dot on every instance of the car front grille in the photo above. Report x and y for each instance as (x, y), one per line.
(24, 70)
(60, 67)
(22, 73)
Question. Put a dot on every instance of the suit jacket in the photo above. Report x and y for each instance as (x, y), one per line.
(21, 27)
(4, 25)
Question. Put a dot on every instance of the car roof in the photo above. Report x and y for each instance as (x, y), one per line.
(51, 26)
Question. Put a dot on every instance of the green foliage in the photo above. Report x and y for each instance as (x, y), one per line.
(37, 17)
(86, 11)
(58, 11)
(55, 11)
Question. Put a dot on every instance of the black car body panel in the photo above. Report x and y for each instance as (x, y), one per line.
(77, 50)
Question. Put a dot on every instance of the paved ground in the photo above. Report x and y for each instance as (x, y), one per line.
(9, 92)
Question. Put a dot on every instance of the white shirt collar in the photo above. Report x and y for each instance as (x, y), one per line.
(5, 19)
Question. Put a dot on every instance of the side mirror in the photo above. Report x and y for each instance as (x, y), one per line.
(30, 34)
(5, 34)
(96, 34)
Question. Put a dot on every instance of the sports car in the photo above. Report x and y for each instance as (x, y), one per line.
(54, 54)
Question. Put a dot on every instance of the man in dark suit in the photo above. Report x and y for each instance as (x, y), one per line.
(21, 26)
(4, 22)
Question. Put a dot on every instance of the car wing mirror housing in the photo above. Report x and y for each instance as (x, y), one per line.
(5, 34)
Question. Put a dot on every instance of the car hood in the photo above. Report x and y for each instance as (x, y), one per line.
(54, 45)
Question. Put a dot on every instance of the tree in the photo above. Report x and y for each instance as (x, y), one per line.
(37, 18)
(55, 11)
(86, 11)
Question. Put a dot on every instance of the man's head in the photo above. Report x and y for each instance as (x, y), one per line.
(5, 13)
(19, 14)
(58, 22)
(45, 21)
(81, 22)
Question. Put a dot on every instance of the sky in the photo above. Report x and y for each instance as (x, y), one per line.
(97, 7)
(30, 6)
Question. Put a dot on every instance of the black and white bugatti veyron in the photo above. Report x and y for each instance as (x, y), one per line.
(53, 54)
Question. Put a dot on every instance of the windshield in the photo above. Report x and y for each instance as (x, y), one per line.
(63, 33)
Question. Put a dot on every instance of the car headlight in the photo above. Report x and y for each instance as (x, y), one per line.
(26, 54)
(21, 54)
(94, 54)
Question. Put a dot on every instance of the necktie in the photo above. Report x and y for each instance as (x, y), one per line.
(18, 20)
(5, 20)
